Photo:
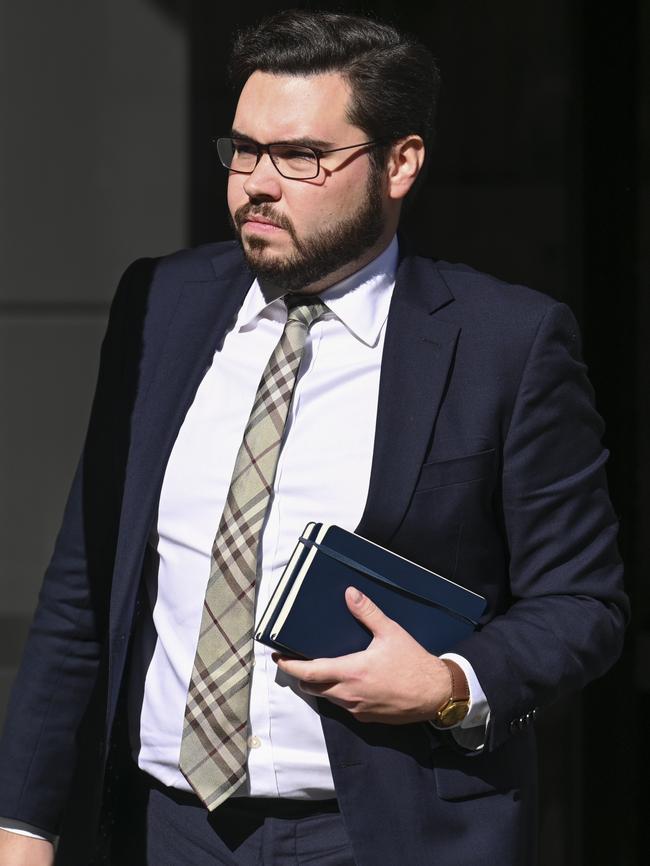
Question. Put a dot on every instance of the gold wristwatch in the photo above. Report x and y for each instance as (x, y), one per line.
(455, 708)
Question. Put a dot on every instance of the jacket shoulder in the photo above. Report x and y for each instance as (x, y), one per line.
(155, 280)
(201, 262)
(488, 294)
(501, 320)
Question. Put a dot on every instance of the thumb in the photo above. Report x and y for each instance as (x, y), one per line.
(365, 610)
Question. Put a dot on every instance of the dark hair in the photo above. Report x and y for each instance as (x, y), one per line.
(393, 78)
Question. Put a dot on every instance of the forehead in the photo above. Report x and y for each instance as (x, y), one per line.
(285, 107)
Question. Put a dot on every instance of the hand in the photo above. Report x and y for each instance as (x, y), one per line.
(16, 850)
(395, 680)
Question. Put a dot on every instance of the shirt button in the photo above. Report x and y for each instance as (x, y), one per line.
(254, 742)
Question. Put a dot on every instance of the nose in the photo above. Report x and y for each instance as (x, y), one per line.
(265, 181)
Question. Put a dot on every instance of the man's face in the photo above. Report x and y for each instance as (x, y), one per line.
(322, 229)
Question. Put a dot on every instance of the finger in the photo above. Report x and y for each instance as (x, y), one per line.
(314, 671)
(324, 690)
(366, 611)
(333, 692)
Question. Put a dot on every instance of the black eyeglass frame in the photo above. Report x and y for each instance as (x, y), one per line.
(267, 148)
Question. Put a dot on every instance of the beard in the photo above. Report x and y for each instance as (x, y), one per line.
(325, 251)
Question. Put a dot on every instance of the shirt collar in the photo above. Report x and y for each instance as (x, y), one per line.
(360, 301)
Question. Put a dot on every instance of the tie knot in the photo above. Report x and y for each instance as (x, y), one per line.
(305, 309)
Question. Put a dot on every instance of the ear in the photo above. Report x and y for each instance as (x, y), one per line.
(404, 164)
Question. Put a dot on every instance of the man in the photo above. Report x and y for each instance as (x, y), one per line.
(439, 412)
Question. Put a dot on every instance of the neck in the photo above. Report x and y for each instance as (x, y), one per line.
(348, 268)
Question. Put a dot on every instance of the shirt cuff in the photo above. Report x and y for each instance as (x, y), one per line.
(20, 828)
(471, 733)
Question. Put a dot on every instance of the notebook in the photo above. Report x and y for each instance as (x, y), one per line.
(307, 615)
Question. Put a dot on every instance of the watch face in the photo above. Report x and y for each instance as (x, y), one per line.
(453, 713)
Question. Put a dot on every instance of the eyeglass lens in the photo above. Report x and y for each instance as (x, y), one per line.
(292, 161)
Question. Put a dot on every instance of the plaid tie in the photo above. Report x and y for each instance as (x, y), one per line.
(214, 747)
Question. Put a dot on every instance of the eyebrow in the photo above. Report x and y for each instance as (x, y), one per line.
(306, 141)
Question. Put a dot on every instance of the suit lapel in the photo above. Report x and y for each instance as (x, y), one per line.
(416, 363)
(202, 312)
(418, 353)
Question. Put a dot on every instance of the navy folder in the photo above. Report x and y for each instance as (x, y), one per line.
(307, 615)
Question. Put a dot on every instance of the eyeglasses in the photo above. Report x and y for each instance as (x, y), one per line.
(293, 161)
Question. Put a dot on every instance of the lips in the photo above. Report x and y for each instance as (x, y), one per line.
(262, 221)
(260, 225)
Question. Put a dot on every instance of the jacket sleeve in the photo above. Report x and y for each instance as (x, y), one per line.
(63, 652)
(568, 610)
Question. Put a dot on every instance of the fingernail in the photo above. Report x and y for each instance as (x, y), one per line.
(356, 595)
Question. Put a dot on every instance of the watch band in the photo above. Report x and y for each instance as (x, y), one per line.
(459, 684)
(456, 707)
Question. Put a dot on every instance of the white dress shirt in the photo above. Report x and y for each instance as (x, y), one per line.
(323, 474)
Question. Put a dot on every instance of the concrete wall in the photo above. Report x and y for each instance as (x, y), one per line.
(93, 173)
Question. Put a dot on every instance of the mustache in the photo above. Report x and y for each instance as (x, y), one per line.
(246, 211)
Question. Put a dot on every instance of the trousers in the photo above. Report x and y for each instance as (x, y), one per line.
(161, 826)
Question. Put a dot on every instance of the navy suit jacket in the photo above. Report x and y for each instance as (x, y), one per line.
(487, 467)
